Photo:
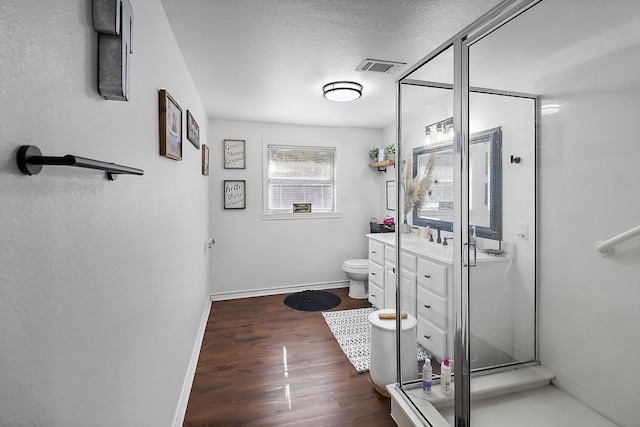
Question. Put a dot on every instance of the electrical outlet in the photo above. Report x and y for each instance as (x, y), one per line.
(524, 230)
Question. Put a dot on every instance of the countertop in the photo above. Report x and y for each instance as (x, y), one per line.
(419, 246)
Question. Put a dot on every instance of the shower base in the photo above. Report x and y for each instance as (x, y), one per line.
(523, 397)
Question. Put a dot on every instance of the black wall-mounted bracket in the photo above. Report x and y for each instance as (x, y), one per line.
(515, 159)
(30, 161)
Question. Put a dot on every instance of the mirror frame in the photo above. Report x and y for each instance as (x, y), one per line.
(494, 230)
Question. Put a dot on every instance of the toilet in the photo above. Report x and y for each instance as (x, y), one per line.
(357, 271)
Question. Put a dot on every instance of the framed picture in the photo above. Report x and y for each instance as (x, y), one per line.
(193, 130)
(234, 194)
(391, 195)
(205, 160)
(234, 154)
(170, 126)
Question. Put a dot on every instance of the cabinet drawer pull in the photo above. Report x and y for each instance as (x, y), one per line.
(427, 306)
(373, 274)
(373, 295)
(428, 337)
(373, 252)
(428, 276)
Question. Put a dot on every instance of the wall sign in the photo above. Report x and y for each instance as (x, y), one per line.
(193, 130)
(234, 154)
(302, 208)
(391, 195)
(205, 160)
(170, 126)
(113, 20)
(234, 194)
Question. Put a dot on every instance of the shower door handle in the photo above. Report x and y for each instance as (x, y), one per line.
(467, 259)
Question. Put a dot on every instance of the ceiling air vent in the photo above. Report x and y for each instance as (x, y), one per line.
(379, 66)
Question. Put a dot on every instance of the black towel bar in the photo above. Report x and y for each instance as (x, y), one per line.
(30, 161)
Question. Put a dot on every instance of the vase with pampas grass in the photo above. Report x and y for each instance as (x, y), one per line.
(415, 189)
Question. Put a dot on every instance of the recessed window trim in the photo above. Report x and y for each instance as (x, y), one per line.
(287, 213)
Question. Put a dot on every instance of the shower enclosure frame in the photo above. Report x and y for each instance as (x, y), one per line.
(461, 42)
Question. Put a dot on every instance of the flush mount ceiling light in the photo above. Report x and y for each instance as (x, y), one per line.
(342, 91)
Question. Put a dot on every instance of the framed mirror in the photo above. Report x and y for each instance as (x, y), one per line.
(485, 187)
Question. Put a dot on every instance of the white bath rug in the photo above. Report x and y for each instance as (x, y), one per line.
(352, 330)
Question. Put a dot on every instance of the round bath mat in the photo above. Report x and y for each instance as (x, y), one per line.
(312, 300)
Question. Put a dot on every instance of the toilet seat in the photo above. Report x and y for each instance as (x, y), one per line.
(356, 264)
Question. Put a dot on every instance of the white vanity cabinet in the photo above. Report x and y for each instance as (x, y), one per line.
(408, 283)
(427, 291)
(376, 273)
(382, 275)
(389, 276)
(435, 307)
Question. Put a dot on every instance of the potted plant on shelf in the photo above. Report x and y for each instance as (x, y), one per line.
(374, 153)
(390, 151)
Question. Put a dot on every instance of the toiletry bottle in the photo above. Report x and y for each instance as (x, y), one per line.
(426, 376)
(445, 377)
(475, 240)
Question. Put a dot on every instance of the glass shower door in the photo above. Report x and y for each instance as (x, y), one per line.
(425, 177)
(535, 177)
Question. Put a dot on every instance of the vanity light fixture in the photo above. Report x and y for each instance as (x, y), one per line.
(549, 109)
(449, 125)
(342, 91)
(444, 129)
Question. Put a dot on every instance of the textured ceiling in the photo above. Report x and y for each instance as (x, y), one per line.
(267, 60)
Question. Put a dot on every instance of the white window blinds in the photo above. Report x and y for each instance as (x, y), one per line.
(298, 174)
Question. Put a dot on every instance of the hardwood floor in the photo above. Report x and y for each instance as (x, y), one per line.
(265, 364)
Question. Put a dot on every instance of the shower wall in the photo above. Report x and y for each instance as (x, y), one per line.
(589, 187)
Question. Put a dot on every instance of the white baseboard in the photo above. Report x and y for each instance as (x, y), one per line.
(181, 410)
(599, 401)
(221, 296)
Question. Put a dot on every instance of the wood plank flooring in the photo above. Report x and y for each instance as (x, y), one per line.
(265, 364)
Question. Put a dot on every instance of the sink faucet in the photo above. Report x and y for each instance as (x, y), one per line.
(444, 242)
(439, 240)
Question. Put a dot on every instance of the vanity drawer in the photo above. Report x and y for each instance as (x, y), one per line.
(376, 274)
(432, 307)
(432, 338)
(376, 252)
(432, 276)
(376, 295)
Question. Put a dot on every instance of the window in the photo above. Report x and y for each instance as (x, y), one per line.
(300, 174)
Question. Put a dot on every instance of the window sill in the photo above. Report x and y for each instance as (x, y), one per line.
(289, 215)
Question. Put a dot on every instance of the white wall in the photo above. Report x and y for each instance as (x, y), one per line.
(589, 186)
(103, 284)
(389, 136)
(254, 256)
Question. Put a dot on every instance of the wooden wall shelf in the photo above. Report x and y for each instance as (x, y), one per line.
(382, 166)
